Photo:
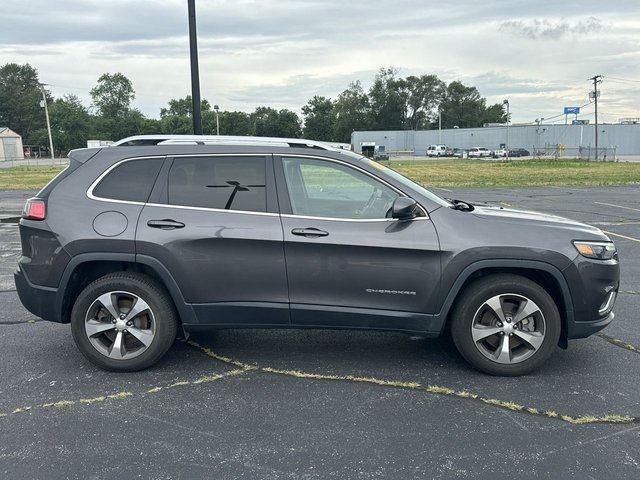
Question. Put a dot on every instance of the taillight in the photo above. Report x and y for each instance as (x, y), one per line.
(34, 209)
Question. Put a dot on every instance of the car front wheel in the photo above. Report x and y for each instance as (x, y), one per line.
(505, 325)
(123, 322)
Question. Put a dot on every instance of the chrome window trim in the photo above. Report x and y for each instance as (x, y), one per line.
(397, 190)
(91, 195)
(336, 219)
(207, 209)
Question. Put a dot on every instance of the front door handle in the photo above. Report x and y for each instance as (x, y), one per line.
(165, 224)
(309, 232)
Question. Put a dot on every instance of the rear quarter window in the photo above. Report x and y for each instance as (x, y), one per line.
(130, 181)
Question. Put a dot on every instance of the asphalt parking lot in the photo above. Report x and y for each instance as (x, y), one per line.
(329, 404)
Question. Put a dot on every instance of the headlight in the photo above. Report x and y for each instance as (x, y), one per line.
(597, 250)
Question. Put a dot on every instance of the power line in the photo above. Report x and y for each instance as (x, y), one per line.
(562, 114)
(617, 79)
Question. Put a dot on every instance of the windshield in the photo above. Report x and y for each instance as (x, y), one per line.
(401, 178)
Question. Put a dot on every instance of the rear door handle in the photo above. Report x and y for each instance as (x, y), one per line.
(166, 224)
(309, 232)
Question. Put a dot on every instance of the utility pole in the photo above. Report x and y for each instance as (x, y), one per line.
(215, 109)
(195, 73)
(439, 127)
(46, 113)
(506, 102)
(596, 80)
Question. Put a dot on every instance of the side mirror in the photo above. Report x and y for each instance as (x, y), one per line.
(404, 208)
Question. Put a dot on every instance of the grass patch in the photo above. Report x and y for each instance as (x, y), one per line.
(28, 178)
(485, 173)
(439, 173)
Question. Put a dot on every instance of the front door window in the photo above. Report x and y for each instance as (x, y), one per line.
(319, 188)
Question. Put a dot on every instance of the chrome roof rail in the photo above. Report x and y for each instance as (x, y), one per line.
(140, 140)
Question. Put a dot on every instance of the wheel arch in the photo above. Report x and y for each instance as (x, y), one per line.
(85, 268)
(544, 274)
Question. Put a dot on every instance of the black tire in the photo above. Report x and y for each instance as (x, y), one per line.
(161, 306)
(473, 298)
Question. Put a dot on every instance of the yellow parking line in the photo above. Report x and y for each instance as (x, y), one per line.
(433, 389)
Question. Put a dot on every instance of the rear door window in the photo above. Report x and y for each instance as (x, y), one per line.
(222, 183)
(130, 181)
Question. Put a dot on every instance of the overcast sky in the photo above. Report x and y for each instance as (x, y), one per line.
(538, 54)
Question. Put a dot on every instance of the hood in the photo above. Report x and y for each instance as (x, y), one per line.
(513, 215)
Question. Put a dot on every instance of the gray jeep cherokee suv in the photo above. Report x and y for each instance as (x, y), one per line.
(134, 241)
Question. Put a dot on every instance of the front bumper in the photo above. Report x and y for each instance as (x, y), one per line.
(41, 301)
(586, 329)
(594, 285)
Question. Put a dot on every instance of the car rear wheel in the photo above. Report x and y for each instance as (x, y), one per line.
(124, 322)
(505, 325)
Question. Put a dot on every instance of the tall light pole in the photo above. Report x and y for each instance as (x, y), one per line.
(506, 102)
(439, 127)
(43, 103)
(596, 80)
(215, 109)
(195, 72)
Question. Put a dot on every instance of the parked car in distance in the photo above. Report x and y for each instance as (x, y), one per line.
(380, 153)
(131, 244)
(519, 152)
(479, 152)
(436, 150)
(448, 152)
(458, 153)
(499, 153)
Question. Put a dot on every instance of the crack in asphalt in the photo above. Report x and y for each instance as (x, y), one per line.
(19, 322)
(619, 343)
(432, 389)
(64, 403)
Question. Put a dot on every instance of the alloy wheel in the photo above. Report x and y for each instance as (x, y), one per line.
(508, 328)
(120, 325)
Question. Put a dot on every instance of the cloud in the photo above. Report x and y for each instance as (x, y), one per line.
(282, 52)
(535, 29)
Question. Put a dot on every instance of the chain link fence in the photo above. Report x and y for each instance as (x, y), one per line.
(582, 153)
(33, 162)
(548, 152)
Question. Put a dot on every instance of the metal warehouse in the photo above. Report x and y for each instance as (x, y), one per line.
(10, 145)
(623, 139)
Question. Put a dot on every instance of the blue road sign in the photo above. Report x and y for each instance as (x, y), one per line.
(571, 110)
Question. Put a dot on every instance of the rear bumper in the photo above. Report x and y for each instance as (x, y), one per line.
(41, 301)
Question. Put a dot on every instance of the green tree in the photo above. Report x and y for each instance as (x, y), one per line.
(494, 114)
(269, 122)
(20, 98)
(70, 123)
(113, 94)
(177, 125)
(235, 123)
(319, 119)
(424, 94)
(388, 99)
(127, 124)
(462, 106)
(352, 111)
(183, 107)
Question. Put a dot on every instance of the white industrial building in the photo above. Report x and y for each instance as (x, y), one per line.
(10, 145)
(623, 139)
